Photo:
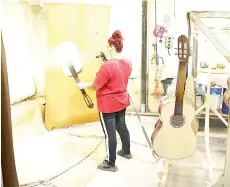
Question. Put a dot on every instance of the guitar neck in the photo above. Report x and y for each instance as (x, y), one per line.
(180, 88)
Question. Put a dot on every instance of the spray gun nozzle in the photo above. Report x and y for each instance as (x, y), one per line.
(101, 55)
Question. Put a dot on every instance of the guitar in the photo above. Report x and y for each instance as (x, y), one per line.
(86, 97)
(174, 136)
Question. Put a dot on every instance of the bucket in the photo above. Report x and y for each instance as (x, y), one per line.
(215, 97)
(225, 109)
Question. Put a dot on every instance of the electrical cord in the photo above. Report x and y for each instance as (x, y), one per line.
(102, 137)
(80, 136)
(47, 182)
(169, 52)
(43, 183)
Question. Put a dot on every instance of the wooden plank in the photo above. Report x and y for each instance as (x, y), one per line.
(212, 14)
(227, 156)
(9, 173)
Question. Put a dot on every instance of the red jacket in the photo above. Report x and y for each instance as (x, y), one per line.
(111, 84)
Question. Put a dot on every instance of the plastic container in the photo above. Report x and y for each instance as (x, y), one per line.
(215, 97)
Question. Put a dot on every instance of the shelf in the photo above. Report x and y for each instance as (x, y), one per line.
(214, 71)
(212, 114)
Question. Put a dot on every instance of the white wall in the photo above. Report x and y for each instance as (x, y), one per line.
(15, 34)
(126, 17)
(25, 42)
(38, 46)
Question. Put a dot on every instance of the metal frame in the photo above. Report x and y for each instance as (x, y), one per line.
(195, 18)
(211, 14)
(42, 2)
(224, 179)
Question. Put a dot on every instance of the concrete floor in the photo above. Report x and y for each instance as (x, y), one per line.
(58, 158)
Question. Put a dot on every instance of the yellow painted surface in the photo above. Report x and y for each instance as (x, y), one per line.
(87, 27)
(24, 112)
(228, 58)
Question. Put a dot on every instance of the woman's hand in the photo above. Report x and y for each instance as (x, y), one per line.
(82, 85)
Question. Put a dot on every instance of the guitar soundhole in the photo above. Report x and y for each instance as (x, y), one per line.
(177, 121)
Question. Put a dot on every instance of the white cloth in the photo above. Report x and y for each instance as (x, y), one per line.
(66, 53)
(81, 85)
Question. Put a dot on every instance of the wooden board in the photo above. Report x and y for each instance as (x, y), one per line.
(87, 27)
(8, 168)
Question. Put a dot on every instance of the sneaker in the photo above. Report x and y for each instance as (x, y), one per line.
(127, 156)
(106, 166)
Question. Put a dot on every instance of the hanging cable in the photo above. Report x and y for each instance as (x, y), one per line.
(174, 8)
(156, 49)
(169, 52)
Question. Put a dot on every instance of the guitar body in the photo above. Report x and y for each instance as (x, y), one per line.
(174, 136)
(175, 143)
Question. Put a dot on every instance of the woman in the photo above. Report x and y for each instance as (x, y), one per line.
(110, 85)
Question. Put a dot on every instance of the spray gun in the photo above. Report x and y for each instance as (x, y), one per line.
(102, 56)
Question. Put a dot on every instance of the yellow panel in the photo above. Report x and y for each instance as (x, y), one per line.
(87, 27)
(62, 23)
(228, 58)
